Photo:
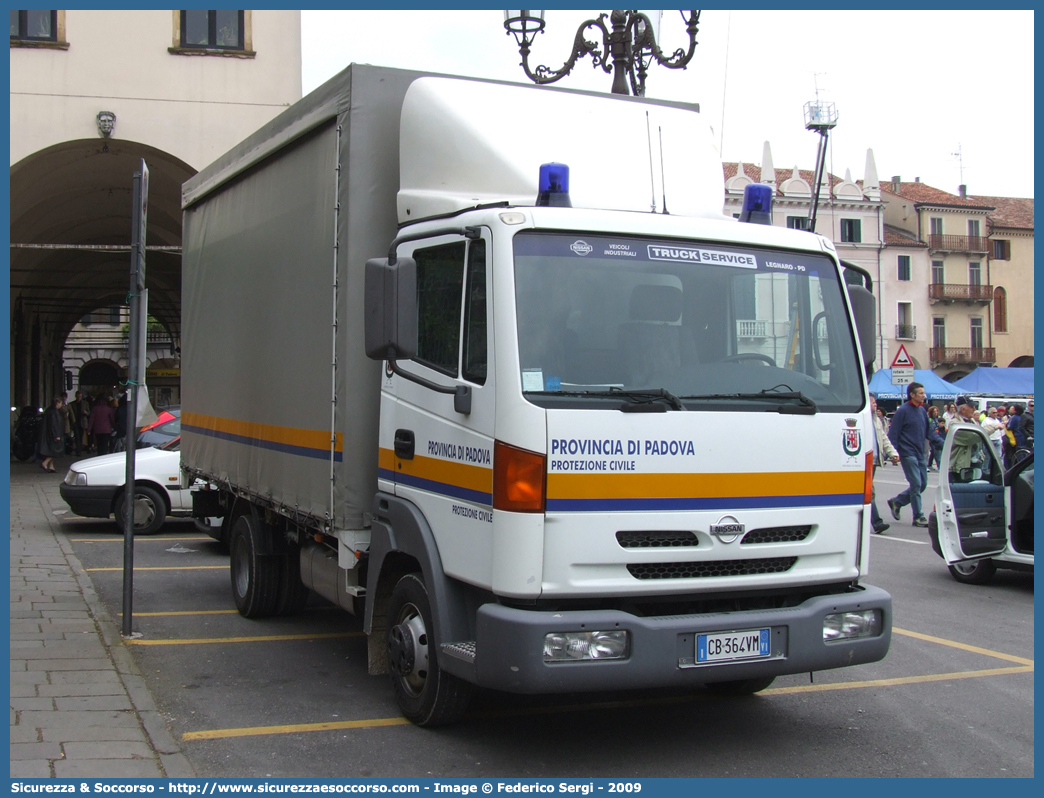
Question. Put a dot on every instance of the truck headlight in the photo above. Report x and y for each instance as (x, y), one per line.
(848, 625)
(75, 478)
(576, 646)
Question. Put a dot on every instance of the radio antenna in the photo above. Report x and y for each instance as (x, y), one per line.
(663, 174)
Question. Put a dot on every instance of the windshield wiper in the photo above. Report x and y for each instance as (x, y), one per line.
(642, 398)
(805, 407)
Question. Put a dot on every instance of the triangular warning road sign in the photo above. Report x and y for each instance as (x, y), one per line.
(902, 358)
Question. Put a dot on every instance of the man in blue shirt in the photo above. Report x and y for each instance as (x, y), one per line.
(908, 433)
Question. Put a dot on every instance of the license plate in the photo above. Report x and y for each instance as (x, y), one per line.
(725, 646)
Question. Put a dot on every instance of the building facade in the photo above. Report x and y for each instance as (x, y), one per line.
(93, 94)
(953, 273)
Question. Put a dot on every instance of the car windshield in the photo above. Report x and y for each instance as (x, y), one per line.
(601, 316)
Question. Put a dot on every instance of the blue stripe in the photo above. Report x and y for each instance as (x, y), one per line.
(442, 488)
(696, 503)
(285, 448)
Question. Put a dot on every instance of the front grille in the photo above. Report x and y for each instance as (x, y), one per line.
(777, 534)
(655, 540)
(690, 570)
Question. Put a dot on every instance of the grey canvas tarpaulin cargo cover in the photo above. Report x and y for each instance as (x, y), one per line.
(279, 399)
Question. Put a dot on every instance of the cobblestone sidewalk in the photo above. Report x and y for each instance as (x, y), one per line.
(79, 706)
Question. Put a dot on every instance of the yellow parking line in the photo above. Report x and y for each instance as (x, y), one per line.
(964, 646)
(928, 677)
(167, 568)
(219, 734)
(256, 731)
(137, 538)
(184, 641)
(184, 612)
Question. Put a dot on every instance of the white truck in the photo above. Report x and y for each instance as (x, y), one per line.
(577, 430)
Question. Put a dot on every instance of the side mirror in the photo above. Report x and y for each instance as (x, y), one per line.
(865, 310)
(391, 309)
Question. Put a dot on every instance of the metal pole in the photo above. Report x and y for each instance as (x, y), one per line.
(139, 211)
(820, 163)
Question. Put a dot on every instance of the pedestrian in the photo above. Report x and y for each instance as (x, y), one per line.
(121, 423)
(52, 434)
(964, 447)
(951, 414)
(67, 429)
(883, 452)
(1016, 435)
(938, 424)
(1026, 424)
(80, 412)
(908, 433)
(101, 423)
(993, 427)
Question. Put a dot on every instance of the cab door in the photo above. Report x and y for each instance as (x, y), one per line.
(441, 457)
(972, 509)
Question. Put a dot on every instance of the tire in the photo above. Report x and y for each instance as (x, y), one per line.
(740, 686)
(150, 510)
(255, 577)
(977, 572)
(427, 695)
(291, 593)
(21, 450)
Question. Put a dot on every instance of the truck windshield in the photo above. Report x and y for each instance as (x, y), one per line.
(717, 326)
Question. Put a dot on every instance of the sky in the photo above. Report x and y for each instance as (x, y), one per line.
(916, 87)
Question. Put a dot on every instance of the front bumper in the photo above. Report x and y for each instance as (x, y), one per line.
(90, 501)
(510, 643)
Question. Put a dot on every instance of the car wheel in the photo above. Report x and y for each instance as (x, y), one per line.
(150, 510)
(426, 694)
(977, 572)
(255, 577)
(740, 686)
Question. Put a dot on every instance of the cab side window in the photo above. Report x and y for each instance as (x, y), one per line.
(440, 276)
(474, 360)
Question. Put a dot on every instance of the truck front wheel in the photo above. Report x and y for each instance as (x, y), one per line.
(255, 577)
(427, 695)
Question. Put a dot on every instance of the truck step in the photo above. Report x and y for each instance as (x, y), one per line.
(464, 650)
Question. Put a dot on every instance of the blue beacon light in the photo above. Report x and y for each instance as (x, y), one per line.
(757, 204)
(553, 190)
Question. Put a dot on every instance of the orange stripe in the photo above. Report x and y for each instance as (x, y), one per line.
(289, 436)
(462, 475)
(672, 486)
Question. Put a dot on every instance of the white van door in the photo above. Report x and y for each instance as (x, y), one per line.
(972, 507)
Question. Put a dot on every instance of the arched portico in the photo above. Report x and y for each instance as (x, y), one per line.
(70, 237)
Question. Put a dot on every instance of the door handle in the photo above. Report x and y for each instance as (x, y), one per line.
(404, 444)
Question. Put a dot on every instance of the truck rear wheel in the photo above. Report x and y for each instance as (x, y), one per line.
(255, 577)
(427, 695)
(740, 686)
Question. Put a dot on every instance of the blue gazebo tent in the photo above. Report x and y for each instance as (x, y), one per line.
(935, 387)
(986, 381)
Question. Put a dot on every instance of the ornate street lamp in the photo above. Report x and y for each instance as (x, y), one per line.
(630, 45)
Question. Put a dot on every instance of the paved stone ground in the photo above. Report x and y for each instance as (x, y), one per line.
(79, 706)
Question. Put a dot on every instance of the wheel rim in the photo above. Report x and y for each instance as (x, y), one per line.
(144, 511)
(241, 567)
(965, 568)
(408, 646)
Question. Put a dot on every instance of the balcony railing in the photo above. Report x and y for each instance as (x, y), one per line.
(751, 328)
(941, 243)
(905, 332)
(951, 292)
(958, 354)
